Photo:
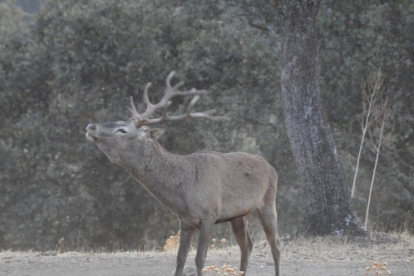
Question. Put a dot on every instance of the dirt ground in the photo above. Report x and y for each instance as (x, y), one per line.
(300, 256)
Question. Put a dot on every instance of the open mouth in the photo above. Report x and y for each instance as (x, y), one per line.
(91, 128)
(90, 137)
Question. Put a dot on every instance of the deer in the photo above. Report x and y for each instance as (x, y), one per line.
(202, 188)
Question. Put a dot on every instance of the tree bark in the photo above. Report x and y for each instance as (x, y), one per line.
(316, 155)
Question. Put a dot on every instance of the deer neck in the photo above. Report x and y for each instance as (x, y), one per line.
(162, 174)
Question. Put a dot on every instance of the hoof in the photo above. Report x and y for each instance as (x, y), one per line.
(188, 271)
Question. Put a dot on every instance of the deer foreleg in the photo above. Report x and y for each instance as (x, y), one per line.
(203, 244)
(186, 237)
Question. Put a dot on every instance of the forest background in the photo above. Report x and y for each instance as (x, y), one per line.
(73, 62)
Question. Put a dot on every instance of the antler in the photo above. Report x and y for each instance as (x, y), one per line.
(164, 103)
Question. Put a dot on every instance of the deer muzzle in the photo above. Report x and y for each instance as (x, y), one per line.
(90, 131)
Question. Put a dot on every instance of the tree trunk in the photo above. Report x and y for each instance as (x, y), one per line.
(316, 155)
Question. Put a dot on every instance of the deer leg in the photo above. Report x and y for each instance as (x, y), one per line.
(268, 216)
(203, 244)
(186, 237)
(239, 227)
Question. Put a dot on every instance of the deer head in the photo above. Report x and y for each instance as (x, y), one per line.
(123, 137)
(203, 188)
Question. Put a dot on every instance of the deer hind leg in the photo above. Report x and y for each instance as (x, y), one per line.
(204, 239)
(268, 216)
(239, 227)
(186, 237)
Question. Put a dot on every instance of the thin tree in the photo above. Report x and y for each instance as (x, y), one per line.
(384, 113)
(367, 103)
(316, 155)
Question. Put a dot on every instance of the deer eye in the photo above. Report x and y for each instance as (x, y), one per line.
(121, 130)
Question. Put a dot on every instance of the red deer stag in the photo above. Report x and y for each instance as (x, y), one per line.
(202, 188)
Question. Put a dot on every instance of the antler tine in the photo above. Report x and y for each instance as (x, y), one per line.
(164, 110)
(206, 114)
(149, 109)
(192, 103)
(133, 109)
(168, 80)
(164, 103)
(146, 99)
(173, 90)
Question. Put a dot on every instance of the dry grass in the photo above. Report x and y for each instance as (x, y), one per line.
(172, 243)
(373, 251)
(375, 247)
(409, 260)
(376, 250)
(7, 254)
(219, 244)
(378, 269)
(225, 270)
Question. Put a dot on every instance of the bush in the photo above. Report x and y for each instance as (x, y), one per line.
(78, 61)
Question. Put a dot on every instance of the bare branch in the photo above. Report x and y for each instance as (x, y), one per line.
(370, 106)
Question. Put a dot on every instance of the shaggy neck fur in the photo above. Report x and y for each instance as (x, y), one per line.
(166, 184)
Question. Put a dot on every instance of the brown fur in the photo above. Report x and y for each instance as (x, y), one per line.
(201, 188)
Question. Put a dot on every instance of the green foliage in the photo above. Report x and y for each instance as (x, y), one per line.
(356, 39)
(78, 61)
(81, 62)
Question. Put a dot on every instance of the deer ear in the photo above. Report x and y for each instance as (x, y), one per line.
(156, 133)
